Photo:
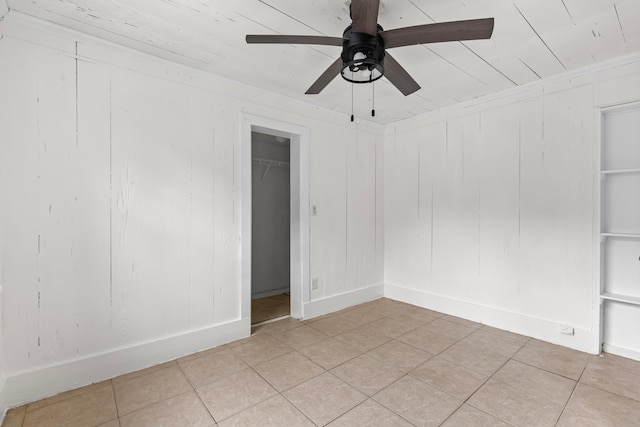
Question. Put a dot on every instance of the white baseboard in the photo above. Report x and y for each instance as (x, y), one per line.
(37, 384)
(621, 351)
(338, 302)
(545, 330)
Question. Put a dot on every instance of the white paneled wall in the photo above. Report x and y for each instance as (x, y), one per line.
(121, 205)
(490, 211)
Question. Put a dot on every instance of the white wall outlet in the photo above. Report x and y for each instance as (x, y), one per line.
(567, 330)
(314, 210)
(314, 283)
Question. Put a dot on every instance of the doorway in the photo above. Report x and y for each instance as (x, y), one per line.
(270, 228)
(298, 215)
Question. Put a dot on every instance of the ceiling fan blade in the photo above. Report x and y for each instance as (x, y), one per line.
(364, 16)
(471, 29)
(398, 76)
(326, 77)
(286, 39)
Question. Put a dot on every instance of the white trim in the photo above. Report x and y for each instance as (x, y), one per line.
(34, 385)
(598, 307)
(338, 302)
(57, 29)
(299, 172)
(4, 400)
(546, 330)
(621, 351)
(571, 74)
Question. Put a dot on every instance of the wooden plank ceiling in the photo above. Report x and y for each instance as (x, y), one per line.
(532, 39)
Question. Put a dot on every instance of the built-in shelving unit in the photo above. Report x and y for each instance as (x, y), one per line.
(620, 230)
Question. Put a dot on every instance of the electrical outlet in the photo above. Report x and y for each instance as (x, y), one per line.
(567, 330)
(314, 210)
(314, 283)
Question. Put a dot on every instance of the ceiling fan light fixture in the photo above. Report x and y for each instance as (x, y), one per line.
(362, 57)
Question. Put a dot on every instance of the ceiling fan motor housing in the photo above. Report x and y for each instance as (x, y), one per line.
(362, 56)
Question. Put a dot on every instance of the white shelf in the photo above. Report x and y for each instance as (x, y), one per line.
(619, 171)
(627, 299)
(623, 235)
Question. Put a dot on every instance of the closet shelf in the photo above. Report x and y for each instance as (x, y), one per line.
(619, 171)
(624, 235)
(627, 299)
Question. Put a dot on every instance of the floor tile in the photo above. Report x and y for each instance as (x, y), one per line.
(449, 377)
(367, 374)
(362, 339)
(481, 361)
(418, 402)
(260, 348)
(235, 393)
(461, 321)
(425, 340)
(15, 417)
(362, 315)
(468, 416)
(536, 381)
(444, 371)
(370, 414)
(277, 326)
(141, 391)
(330, 353)
(203, 353)
(515, 406)
(553, 358)
(332, 326)
(615, 374)
(185, 409)
(600, 408)
(210, 368)
(68, 395)
(505, 334)
(88, 409)
(450, 328)
(144, 372)
(288, 370)
(400, 355)
(324, 398)
(391, 327)
(273, 412)
(494, 343)
(416, 317)
(300, 337)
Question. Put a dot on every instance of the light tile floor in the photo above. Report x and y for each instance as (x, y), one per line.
(269, 308)
(382, 363)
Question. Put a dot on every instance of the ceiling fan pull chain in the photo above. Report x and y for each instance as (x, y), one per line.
(352, 101)
(373, 99)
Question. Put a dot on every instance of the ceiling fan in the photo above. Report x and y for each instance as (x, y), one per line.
(364, 58)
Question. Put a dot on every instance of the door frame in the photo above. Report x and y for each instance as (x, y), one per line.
(299, 199)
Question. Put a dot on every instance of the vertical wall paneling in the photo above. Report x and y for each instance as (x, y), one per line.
(490, 210)
(121, 208)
